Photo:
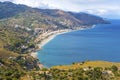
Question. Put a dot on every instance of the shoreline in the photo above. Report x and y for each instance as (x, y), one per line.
(48, 38)
(53, 34)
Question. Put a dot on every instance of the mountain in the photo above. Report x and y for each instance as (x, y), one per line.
(8, 9)
(88, 18)
(45, 17)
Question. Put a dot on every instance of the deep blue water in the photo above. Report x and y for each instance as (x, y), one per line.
(99, 43)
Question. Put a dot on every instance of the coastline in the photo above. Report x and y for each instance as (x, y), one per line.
(47, 37)
(53, 34)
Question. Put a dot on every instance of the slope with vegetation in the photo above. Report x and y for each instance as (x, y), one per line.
(88, 70)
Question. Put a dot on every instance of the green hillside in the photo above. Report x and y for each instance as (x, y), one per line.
(88, 70)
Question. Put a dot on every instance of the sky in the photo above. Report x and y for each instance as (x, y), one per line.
(103, 8)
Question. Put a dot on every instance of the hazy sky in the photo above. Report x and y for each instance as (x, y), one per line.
(104, 8)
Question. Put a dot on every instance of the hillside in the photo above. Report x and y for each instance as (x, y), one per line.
(8, 9)
(20, 25)
(85, 64)
(47, 17)
(88, 19)
(13, 66)
(88, 70)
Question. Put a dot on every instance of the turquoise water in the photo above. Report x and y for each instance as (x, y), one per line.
(99, 43)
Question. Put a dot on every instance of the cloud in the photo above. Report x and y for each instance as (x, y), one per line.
(99, 7)
(97, 11)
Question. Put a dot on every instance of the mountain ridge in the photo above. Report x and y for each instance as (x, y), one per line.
(14, 9)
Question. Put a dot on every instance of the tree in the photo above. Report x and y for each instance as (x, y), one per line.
(114, 68)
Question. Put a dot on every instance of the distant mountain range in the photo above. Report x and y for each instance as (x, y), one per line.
(45, 18)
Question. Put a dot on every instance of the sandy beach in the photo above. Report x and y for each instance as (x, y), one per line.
(46, 40)
(33, 54)
(51, 36)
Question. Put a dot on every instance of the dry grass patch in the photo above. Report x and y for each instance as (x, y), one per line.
(102, 64)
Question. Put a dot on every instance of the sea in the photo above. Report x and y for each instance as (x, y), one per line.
(99, 43)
